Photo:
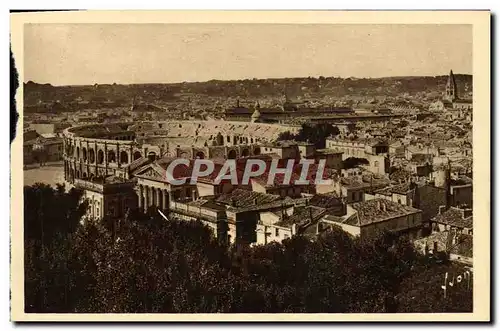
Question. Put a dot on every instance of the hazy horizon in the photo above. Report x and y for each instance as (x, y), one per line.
(128, 54)
(256, 78)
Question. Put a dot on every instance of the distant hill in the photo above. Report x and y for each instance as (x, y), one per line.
(113, 95)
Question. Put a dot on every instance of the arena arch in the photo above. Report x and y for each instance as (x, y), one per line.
(100, 157)
(256, 151)
(84, 154)
(91, 156)
(111, 156)
(231, 154)
(123, 157)
(245, 152)
(220, 140)
(200, 155)
(77, 152)
(77, 174)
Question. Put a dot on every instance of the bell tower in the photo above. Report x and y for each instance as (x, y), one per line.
(451, 93)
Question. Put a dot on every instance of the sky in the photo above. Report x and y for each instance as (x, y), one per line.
(83, 54)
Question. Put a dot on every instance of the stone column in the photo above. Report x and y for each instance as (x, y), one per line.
(146, 197)
(118, 155)
(151, 196)
(88, 155)
(106, 157)
(139, 194)
(159, 202)
(166, 200)
(155, 196)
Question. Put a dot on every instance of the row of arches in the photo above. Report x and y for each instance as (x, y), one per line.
(245, 152)
(232, 154)
(111, 157)
(234, 140)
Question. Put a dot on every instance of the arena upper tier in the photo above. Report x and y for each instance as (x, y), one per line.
(102, 150)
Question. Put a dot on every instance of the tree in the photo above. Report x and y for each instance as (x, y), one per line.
(421, 292)
(315, 134)
(50, 217)
(353, 162)
(141, 263)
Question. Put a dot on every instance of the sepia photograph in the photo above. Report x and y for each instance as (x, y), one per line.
(282, 166)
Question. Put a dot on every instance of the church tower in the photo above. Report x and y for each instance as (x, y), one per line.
(451, 88)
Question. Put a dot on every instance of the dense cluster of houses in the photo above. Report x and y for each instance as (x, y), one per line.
(410, 175)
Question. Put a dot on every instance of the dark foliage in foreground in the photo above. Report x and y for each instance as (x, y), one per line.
(145, 264)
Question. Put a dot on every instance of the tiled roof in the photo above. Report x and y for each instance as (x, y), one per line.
(378, 210)
(403, 188)
(454, 217)
(302, 215)
(278, 204)
(351, 182)
(138, 163)
(240, 198)
(326, 151)
(325, 201)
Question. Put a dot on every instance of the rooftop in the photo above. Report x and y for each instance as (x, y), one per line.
(455, 217)
(403, 188)
(240, 198)
(302, 216)
(378, 210)
(325, 201)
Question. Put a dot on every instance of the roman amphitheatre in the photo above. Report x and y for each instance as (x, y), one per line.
(101, 150)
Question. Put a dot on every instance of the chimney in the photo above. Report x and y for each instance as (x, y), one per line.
(383, 206)
(454, 238)
(294, 229)
(378, 205)
(442, 209)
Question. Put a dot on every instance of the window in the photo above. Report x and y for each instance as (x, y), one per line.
(277, 232)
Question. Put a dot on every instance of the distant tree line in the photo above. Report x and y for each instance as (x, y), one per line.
(143, 263)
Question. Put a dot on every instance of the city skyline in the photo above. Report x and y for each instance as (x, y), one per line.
(166, 53)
